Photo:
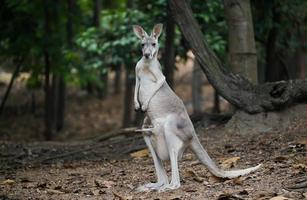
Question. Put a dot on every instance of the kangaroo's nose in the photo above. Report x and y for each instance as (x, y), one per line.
(146, 55)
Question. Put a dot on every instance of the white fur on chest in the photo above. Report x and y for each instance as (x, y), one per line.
(147, 79)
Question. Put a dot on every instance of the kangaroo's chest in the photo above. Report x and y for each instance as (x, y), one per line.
(146, 75)
(147, 83)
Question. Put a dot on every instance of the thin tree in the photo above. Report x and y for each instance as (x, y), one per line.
(241, 40)
(169, 51)
(47, 59)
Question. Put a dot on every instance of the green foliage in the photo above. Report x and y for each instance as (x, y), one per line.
(210, 16)
(113, 44)
(288, 17)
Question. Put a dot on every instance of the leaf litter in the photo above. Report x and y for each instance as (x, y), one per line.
(108, 173)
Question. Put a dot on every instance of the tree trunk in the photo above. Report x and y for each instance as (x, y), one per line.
(102, 91)
(61, 104)
(54, 101)
(196, 88)
(128, 98)
(241, 42)
(61, 92)
(216, 106)
(96, 13)
(8, 90)
(234, 88)
(48, 99)
(47, 58)
(169, 51)
(117, 80)
(273, 70)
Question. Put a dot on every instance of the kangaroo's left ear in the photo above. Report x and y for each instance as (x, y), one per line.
(157, 30)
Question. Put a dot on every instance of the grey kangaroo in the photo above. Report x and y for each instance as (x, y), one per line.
(167, 128)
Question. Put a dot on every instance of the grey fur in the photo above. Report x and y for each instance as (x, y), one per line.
(171, 130)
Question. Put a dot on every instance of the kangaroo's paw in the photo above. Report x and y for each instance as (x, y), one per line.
(150, 186)
(171, 186)
(144, 107)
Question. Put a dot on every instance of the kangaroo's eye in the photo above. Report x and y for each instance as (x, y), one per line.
(153, 44)
(143, 44)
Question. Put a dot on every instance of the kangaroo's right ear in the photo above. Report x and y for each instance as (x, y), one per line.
(139, 31)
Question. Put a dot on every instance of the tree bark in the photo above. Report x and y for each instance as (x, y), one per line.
(117, 80)
(128, 98)
(48, 99)
(96, 13)
(169, 51)
(216, 105)
(48, 93)
(273, 70)
(196, 88)
(8, 90)
(234, 88)
(241, 42)
(54, 101)
(61, 101)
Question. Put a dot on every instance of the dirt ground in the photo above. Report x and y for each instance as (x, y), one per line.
(78, 166)
(108, 170)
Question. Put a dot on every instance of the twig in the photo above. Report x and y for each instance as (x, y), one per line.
(299, 185)
(123, 131)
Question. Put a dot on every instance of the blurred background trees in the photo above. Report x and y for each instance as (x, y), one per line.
(88, 45)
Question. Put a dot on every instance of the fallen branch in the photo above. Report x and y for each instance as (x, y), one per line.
(108, 135)
(94, 144)
(298, 185)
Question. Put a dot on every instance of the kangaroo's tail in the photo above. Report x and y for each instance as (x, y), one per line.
(209, 163)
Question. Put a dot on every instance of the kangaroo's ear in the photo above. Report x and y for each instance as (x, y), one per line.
(157, 30)
(139, 31)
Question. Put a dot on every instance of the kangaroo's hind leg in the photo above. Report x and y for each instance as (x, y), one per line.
(162, 178)
(176, 146)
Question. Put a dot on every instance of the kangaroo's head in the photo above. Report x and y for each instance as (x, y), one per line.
(149, 44)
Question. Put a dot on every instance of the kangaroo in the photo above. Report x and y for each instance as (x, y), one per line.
(167, 128)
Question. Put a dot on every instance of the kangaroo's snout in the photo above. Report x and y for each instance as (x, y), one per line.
(146, 55)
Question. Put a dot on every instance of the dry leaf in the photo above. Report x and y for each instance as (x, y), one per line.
(104, 184)
(8, 182)
(300, 166)
(280, 198)
(281, 158)
(199, 179)
(96, 192)
(51, 191)
(190, 173)
(302, 141)
(228, 197)
(140, 154)
(230, 162)
(239, 180)
(213, 179)
(122, 197)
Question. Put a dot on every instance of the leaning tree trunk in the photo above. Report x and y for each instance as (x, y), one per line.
(196, 88)
(234, 88)
(241, 41)
(8, 90)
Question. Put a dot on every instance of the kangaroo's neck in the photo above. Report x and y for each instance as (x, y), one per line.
(150, 62)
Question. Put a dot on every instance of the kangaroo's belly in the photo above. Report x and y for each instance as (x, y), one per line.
(164, 102)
